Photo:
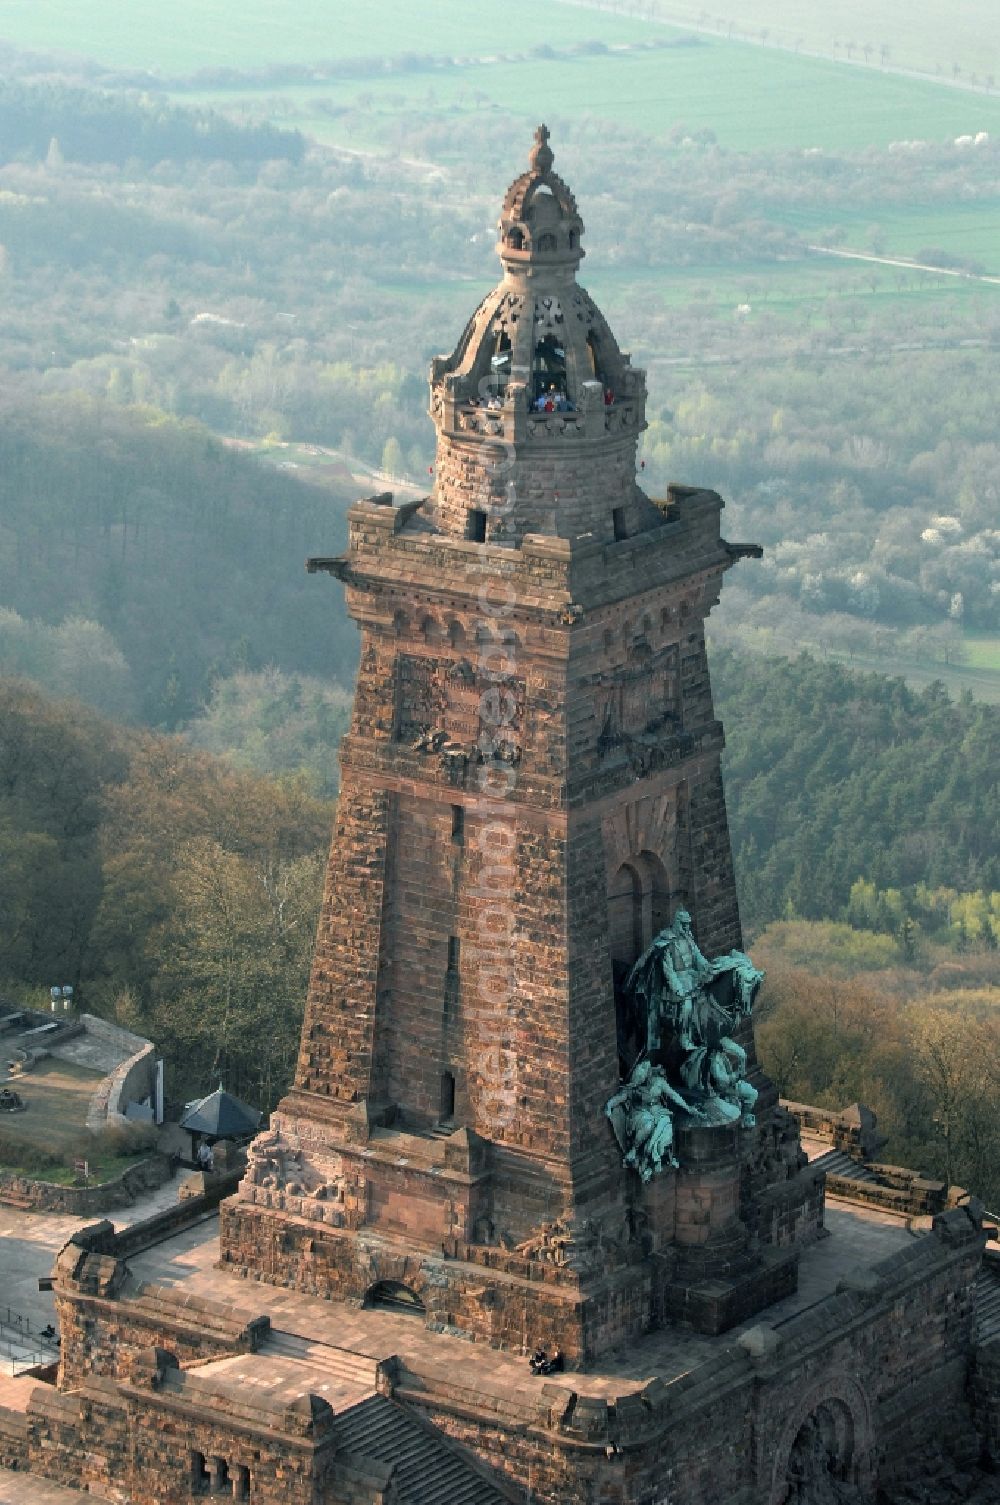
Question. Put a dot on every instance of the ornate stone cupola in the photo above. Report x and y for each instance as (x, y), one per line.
(538, 411)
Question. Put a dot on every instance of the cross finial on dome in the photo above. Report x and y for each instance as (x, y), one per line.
(542, 157)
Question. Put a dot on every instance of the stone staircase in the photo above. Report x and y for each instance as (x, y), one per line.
(837, 1163)
(356, 1370)
(427, 1469)
(988, 1301)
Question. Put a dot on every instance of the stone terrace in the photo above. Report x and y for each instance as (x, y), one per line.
(857, 1236)
(30, 1489)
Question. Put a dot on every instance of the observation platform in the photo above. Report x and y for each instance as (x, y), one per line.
(329, 1331)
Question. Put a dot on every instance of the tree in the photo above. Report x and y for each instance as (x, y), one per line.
(949, 1055)
(233, 993)
(392, 458)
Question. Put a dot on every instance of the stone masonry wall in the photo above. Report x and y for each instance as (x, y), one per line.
(163, 1435)
(101, 1334)
(881, 1362)
(336, 1053)
(550, 483)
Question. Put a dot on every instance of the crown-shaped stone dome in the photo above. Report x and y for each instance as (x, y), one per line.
(538, 410)
(539, 224)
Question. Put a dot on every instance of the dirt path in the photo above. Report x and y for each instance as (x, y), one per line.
(902, 261)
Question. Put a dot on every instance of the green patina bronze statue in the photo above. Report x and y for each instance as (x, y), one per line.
(690, 1006)
(642, 1121)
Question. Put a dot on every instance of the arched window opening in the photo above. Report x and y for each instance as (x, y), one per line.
(456, 634)
(515, 239)
(574, 240)
(594, 359)
(430, 629)
(447, 1096)
(394, 1296)
(549, 368)
(625, 915)
(638, 909)
(500, 362)
(546, 241)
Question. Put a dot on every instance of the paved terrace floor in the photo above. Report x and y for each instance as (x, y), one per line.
(857, 1236)
(29, 1489)
(29, 1243)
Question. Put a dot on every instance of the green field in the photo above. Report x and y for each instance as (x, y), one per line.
(190, 34)
(921, 34)
(969, 230)
(982, 651)
(186, 35)
(752, 98)
(797, 288)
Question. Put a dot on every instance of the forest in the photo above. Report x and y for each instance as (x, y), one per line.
(142, 560)
(911, 1030)
(211, 272)
(179, 894)
(302, 300)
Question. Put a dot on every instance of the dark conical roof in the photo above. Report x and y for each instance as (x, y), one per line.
(221, 1116)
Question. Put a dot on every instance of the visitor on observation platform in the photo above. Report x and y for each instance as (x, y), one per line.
(206, 1160)
(609, 398)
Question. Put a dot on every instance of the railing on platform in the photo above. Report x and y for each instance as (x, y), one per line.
(24, 1346)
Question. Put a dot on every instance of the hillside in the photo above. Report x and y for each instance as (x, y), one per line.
(175, 894)
(141, 560)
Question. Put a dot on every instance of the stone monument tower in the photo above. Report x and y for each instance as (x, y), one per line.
(530, 791)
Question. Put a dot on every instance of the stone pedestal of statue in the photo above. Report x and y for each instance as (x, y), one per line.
(719, 1278)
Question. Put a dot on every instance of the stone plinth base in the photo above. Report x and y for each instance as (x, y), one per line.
(716, 1304)
(471, 1293)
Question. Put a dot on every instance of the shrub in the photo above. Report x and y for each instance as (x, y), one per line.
(125, 1139)
(16, 1155)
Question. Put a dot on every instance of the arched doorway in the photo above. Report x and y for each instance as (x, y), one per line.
(823, 1454)
(395, 1297)
(639, 906)
(820, 1464)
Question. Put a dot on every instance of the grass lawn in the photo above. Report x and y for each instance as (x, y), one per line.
(58, 1095)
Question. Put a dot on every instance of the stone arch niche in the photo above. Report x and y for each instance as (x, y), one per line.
(639, 905)
(396, 1297)
(823, 1456)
